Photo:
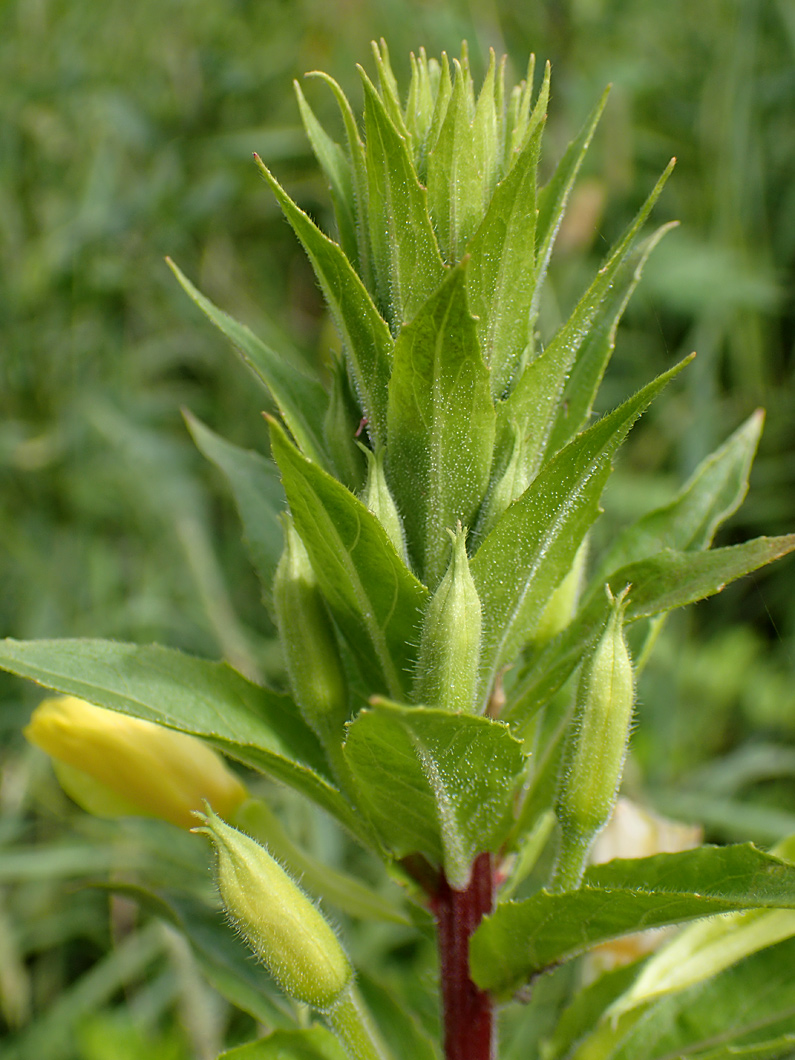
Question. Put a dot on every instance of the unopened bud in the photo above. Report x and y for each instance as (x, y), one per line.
(562, 604)
(279, 922)
(447, 671)
(114, 765)
(378, 498)
(596, 746)
(308, 639)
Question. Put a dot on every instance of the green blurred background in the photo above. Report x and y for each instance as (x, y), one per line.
(126, 133)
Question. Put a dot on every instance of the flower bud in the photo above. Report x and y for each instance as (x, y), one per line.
(114, 765)
(562, 604)
(447, 671)
(308, 639)
(596, 746)
(378, 499)
(279, 922)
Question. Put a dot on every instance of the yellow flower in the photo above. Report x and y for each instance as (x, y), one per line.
(114, 765)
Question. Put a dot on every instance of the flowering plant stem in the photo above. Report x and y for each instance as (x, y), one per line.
(468, 1013)
(351, 1022)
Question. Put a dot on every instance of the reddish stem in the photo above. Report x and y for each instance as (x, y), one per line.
(468, 1012)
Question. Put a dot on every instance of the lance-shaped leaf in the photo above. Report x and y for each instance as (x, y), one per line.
(658, 584)
(358, 176)
(365, 336)
(375, 599)
(300, 399)
(597, 348)
(440, 425)
(252, 724)
(406, 259)
(501, 271)
(338, 172)
(535, 400)
(435, 783)
(713, 493)
(533, 545)
(258, 494)
(745, 1013)
(462, 165)
(554, 196)
(521, 939)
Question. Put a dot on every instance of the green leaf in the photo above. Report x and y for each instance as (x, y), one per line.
(406, 259)
(365, 336)
(597, 348)
(462, 165)
(435, 783)
(748, 1012)
(554, 196)
(308, 1043)
(258, 495)
(673, 579)
(658, 584)
(501, 271)
(359, 178)
(338, 171)
(300, 399)
(535, 400)
(440, 425)
(713, 493)
(521, 939)
(533, 545)
(703, 949)
(375, 599)
(209, 699)
(586, 1008)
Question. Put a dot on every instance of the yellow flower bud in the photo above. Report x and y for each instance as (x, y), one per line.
(114, 765)
(279, 922)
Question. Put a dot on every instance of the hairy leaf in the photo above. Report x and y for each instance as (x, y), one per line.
(258, 494)
(533, 545)
(300, 399)
(375, 599)
(441, 425)
(435, 783)
(258, 727)
(406, 259)
(521, 939)
(365, 336)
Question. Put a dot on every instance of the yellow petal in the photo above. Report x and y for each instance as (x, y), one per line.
(160, 772)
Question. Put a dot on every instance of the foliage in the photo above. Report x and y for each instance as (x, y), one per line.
(118, 566)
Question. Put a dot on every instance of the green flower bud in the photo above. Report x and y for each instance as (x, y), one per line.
(278, 921)
(447, 671)
(309, 641)
(379, 500)
(563, 602)
(595, 749)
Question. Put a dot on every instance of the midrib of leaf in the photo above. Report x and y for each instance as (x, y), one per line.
(456, 861)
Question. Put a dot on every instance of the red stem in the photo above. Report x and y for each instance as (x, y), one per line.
(468, 1012)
